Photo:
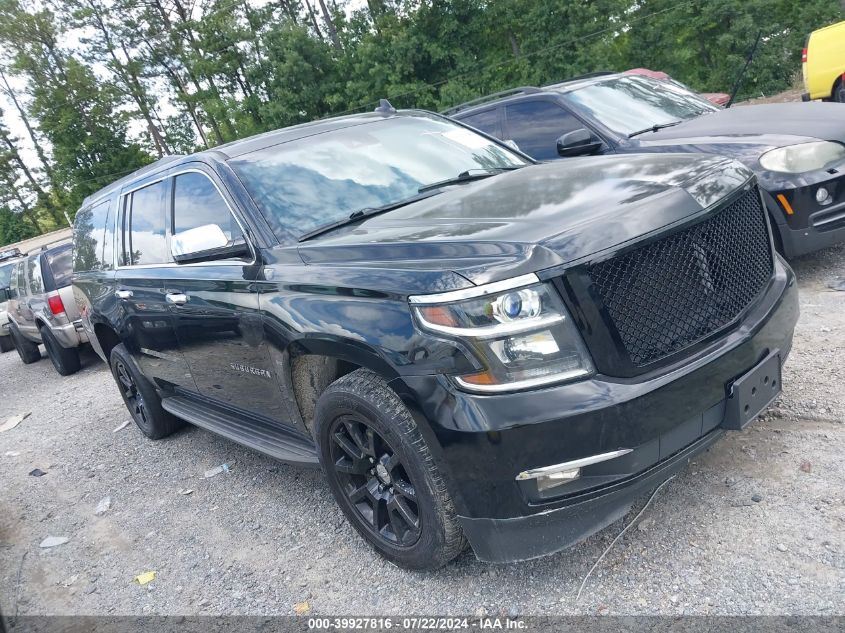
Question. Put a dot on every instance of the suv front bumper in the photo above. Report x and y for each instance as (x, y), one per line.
(482, 443)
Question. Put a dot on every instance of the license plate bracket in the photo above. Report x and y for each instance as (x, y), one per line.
(752, 392)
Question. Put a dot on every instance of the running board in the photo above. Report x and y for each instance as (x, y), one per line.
(257, 434)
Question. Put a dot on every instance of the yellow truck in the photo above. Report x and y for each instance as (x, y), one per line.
(823, 64)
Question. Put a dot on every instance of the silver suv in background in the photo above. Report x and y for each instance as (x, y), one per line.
(41, 309)
(6, 267)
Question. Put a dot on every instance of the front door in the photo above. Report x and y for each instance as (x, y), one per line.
(146, 323)
(215, 307)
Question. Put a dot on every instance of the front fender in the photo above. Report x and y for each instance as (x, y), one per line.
(370, 329)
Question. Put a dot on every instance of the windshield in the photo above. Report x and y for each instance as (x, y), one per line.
(313, 181)
(629, 104)
(5, 274)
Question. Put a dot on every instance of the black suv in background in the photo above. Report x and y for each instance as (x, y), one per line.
(797, 150)
(473, 346)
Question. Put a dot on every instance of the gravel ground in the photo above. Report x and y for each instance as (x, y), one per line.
(265, 537)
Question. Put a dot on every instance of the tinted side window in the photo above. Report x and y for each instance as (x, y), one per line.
(196, 202)
(6, 275)
(59, 261)
(90, 237)
(536, 126)
(487, 121)
(18, 287)
(33, 275)
(144, 237)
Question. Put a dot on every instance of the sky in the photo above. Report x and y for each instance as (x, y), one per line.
(71, 41)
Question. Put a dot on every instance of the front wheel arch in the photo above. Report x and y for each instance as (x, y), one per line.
(838, 92)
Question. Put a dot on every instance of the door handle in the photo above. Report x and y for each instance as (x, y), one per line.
(176, 298)
(123, 294)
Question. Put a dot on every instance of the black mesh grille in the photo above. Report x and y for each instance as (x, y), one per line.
(665, 296)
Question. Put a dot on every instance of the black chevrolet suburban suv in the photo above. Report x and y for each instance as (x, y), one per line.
(476, 348)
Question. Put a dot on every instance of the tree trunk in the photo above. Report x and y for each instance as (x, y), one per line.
(26, 211)
(39, 150)
(514, 44)
(139, 94)
(183, 16)
(314, 19)
(186, 99)
(327, 18)
(290, 10)
(15, 156)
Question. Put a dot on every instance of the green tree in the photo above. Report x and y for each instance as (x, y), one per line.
(77, 112)
(13, 228)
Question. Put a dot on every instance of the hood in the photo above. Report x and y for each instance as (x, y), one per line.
(533, 218)
(747, 132)
(824, 121)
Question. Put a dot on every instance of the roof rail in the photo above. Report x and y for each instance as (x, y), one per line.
(491, 97)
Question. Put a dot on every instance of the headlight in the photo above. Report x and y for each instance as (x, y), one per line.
(796, 159)
(518, 329)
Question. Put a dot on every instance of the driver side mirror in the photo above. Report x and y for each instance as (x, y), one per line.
(578, 142)
(5, 294)
(206, 243)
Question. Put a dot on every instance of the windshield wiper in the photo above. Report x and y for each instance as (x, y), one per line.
(467, 176)
(363, 214)
(653, 128)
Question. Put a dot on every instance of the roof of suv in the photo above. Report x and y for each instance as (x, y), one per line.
(252, 143)
(567, 85)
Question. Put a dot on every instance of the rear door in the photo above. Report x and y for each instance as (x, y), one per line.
(93, 265)
(215, 304)
(143, 317)
(18, 302)
(32, 283)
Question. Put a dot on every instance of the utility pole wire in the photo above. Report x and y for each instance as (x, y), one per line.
(618, 536)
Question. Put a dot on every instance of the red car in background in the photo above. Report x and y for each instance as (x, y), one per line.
(718, 98)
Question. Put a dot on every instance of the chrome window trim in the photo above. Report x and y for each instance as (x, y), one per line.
(476, 291)
(120, 235)
(175, 264)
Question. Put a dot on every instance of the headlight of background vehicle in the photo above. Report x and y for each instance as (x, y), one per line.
(519, 330)
(796, 159)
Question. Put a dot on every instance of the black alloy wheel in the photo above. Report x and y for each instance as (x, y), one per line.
(375, 481)
(133, 398)
(141, 397)
(382, 474)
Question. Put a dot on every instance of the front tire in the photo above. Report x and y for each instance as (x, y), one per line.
(839, 92)
(140, 397)
(26, 349)
(6, 344)
(382, 474)
(66, 361)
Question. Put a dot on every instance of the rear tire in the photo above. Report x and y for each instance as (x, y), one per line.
(383, 475)
(6, 344)
(66, 361)
(839, 92)
(26, 349)
(140, 397)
